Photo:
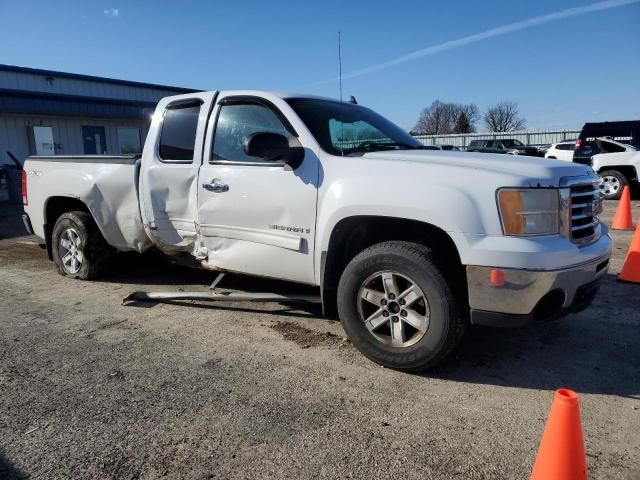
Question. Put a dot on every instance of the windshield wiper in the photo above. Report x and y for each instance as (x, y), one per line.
(371, 146)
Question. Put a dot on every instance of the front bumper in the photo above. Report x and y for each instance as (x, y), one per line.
(523, 296)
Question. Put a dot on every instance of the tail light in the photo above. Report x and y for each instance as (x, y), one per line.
(24, 188)
(578, 145)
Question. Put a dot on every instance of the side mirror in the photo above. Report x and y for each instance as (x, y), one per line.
(273, 147)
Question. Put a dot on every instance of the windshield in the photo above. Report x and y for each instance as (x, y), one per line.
(349, 129)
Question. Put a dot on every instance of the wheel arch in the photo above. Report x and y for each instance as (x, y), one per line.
(56, 206)
(353, 234)
(629, 171)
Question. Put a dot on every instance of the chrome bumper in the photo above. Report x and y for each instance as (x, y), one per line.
(533, 293)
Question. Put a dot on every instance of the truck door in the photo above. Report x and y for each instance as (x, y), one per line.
(168, 176)
(256, 216)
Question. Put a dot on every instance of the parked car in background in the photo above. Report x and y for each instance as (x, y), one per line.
(509, 146)
(627, 132)
(542, 149)
(561, 151)
(618, 165)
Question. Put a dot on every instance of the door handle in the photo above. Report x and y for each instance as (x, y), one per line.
(216, 186)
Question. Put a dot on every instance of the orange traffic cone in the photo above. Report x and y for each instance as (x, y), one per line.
(561, 453)
(631, 268)
(623, 220)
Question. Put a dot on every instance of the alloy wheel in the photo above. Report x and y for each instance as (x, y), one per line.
(393, 308)
(70, 250)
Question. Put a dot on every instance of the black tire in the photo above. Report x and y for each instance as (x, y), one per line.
(95, 252)
(416, 262)
(610, 194)
(552, 158)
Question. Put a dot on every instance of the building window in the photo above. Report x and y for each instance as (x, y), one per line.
(129, 140)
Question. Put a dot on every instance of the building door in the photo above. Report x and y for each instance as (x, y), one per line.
(43, 140)
(94, 140)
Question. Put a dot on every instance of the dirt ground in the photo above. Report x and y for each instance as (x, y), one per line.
(93, 389)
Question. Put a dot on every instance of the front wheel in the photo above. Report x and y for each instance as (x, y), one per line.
(612, 184)
(397, 308)
(78, 248)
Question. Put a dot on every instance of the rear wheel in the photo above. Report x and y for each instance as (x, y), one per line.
(613, 182)
(397, 308)
(78, 248)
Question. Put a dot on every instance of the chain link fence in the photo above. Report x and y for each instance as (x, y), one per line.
(528, 138)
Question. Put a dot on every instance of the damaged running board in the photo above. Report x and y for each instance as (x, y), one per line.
(220, 297)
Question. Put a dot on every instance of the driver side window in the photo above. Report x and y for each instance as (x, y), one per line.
(235, 123)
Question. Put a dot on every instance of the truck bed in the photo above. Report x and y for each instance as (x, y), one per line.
(106, 184)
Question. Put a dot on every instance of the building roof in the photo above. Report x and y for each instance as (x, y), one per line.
(91, 78)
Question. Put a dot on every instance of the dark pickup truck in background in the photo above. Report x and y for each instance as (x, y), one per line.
(509, 146)
(587, 146)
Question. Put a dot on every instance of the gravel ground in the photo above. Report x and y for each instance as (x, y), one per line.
(90, 388)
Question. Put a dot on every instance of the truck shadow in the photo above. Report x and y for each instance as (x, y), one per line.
(594, 351)
(11, 225)
(154, 270)
(8, 471)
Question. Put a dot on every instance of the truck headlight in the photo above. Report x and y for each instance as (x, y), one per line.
(529, 211)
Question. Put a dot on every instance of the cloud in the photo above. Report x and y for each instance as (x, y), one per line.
(111, 12)
(494, 32)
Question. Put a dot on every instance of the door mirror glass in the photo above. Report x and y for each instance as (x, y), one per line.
(272, 147)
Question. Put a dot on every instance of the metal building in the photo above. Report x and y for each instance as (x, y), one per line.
(45, 112)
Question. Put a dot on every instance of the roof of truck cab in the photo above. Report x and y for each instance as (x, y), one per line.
(275, 93)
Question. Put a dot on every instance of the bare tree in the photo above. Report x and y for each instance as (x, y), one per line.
(504, 117)
(436, 118)
(443, 118)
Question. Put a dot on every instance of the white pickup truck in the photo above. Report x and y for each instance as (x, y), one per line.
(409, 245)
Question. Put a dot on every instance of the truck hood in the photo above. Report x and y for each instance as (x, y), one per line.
(504, 170)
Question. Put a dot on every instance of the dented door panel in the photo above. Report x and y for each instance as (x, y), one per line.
(168, 186)
(264, 224)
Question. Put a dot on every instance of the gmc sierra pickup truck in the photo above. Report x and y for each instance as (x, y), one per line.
(408, 246)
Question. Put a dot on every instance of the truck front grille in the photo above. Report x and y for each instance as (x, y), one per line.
(585, 205)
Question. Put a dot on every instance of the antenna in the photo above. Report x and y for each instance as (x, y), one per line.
(341, 103)
(340, 64)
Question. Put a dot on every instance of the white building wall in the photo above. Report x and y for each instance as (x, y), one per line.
(67, 134)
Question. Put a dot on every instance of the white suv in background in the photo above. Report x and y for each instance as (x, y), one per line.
(561, 151)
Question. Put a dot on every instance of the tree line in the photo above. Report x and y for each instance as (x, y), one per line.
(441, 118)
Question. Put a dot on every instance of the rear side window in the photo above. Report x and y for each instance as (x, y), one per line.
(178, 136)
(565, 146)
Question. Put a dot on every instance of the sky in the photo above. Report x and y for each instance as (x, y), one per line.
(564, 62)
